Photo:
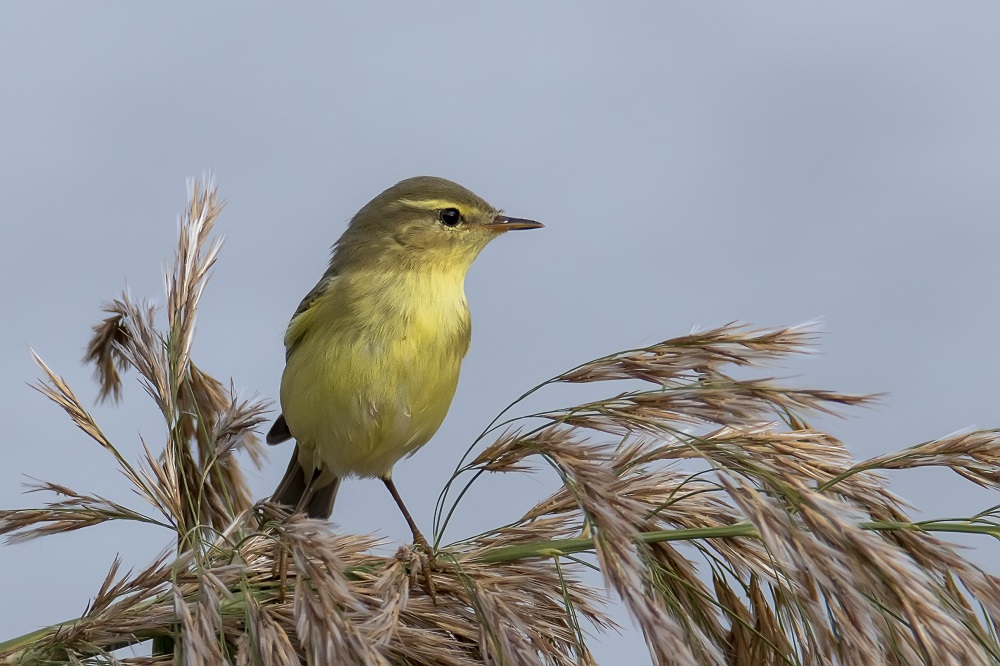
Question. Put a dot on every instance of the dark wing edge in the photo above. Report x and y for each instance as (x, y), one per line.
(279, 431)
(306, 303)
(300, 491)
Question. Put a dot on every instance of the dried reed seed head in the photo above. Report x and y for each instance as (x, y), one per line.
(973, 455)
(265, 642)
(696, 352)
(103, 350)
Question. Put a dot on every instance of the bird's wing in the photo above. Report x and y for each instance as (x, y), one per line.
(296, 329)
(279, 431)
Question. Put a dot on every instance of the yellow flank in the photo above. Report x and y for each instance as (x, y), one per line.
(372, 366)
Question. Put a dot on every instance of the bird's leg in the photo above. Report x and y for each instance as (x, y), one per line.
(418, 538)
(425, 558)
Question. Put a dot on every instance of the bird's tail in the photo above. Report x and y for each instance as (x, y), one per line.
(302, 492)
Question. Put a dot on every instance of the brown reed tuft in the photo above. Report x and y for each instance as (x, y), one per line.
(730, 530)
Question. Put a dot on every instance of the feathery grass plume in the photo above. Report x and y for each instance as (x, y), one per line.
(731, 530)
(834, 570)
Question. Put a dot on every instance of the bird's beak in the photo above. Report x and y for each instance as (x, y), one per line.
(504, 223)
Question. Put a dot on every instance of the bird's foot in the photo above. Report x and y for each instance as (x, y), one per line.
(421, 543)
(422, 564)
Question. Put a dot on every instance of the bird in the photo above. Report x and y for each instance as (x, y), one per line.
(373, 351)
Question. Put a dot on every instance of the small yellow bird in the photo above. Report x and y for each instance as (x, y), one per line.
(372, 354)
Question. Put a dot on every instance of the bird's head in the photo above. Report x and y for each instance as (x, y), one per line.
(423, 222)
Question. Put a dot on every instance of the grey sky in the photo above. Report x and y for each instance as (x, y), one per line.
(695, 163)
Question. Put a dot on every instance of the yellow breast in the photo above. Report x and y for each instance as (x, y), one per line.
(372, 368)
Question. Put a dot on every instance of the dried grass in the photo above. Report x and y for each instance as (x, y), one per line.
(732, 531)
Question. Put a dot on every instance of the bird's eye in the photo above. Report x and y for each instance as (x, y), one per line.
(450, 217)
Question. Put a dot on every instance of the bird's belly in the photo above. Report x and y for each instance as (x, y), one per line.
(356, 406)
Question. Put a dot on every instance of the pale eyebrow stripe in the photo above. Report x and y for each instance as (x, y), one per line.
(428, 204)
(437, 204)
